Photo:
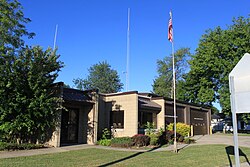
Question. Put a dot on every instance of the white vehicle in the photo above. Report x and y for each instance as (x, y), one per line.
(228, 127)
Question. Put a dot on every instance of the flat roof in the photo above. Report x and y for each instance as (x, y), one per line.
(76, 95)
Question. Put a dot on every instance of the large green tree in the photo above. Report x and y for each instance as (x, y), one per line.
(163, 84)
(100, 77)
(28, 105)
(12, 25)
(218, 52)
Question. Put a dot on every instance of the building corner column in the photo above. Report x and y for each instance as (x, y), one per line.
(95, 115)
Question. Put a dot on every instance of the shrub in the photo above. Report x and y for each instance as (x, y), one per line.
(106, 138)
(154, 139)
(188, 140)
(180, 139)
(104, 142)
(122, 142)
(149, 128)
(161, 130)
(3, 146)
(170, 142)
(140, 140)
(15, 146)
(181, 128)
(162, 138)
(106, 134)
(170, 137)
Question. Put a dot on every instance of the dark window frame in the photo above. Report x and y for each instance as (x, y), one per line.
(117, 119)
(143, 118)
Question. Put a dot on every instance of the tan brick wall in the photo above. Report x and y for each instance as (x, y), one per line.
(92, 125)
(84, 121)
(161, 114)
(129, 104)
(55, 138)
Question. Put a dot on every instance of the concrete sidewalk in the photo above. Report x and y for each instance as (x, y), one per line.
(22, 153)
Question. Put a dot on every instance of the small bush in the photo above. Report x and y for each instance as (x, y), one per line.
(150, 128)
(180, 139)
(154, 139)
(140, 140)
(122, 142)
(162, 138)
(158, 138)
(189, 141)
(171, 142)
(106, 134)
(104, 142)
(3, 146)
(106, 138)
(15, 146)
(181, 128)
(170, 136)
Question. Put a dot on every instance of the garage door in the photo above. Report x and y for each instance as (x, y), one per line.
(198, 118)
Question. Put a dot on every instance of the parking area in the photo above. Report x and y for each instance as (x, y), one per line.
(227, 139)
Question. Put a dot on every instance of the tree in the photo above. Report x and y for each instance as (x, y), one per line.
(12, 27)
(163, 84)
(29, 106)
(100, 77)
(218, 52)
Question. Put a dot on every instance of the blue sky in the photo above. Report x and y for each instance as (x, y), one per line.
(91, 31)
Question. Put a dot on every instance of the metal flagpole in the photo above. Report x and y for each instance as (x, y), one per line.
(171, 38)
(175, 144)
(55, 38)
(128, 50)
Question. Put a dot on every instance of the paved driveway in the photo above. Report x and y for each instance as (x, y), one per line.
(244, 141)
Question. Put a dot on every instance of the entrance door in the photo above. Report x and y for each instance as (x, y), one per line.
(69, 126)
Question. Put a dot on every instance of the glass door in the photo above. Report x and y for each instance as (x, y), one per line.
(69, 126)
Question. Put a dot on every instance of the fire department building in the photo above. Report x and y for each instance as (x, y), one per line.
(89, 112)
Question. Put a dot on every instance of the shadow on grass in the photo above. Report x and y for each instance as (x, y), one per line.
(129, 157)
(230, 151)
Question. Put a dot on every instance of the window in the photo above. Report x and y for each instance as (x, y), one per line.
(117, 119)
(145, 117)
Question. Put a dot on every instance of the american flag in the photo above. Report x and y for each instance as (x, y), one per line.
(170, 28)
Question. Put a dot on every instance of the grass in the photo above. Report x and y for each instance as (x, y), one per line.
(199, 155)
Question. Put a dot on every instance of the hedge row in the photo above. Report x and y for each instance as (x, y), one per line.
(15, 146)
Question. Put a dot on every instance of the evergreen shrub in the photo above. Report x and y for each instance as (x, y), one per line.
(122, 142)
(140, 140)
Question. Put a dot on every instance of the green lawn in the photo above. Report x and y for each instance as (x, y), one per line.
(203, 155)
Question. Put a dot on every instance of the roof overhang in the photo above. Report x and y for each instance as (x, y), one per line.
(78, 96)
(146, 104)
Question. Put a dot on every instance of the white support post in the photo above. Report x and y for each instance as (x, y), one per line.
(235, 129)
